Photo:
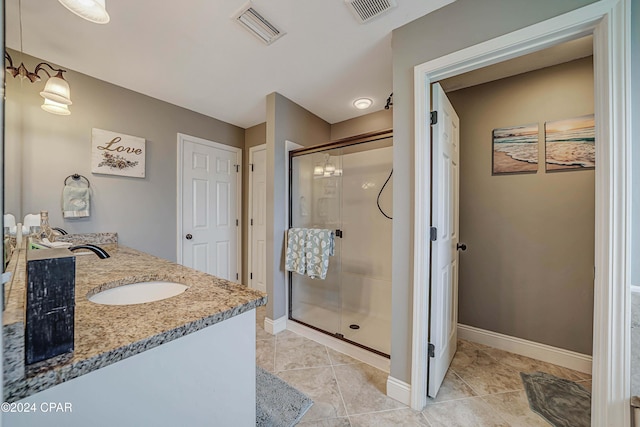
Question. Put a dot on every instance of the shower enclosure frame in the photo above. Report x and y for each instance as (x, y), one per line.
(332, 145)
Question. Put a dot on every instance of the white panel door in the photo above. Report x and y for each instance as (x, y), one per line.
(444, 254)
(210, 209)
(258, 219)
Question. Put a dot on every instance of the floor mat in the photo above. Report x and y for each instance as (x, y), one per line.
(561, 402)
(277, 403)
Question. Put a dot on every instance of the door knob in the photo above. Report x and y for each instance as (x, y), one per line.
(189, 236)
(461, 247)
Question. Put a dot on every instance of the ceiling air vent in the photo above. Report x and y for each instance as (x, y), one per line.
(258, 25)
(366, 10)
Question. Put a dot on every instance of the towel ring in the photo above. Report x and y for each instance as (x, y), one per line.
(77, 177)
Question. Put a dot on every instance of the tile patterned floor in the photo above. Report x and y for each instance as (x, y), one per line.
(482, 387)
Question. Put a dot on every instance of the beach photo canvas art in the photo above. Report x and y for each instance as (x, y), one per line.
(570, 144)
(515, 149)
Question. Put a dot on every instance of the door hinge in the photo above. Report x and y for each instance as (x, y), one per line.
(339, 233)
(433, 118)
(252, 222)
(431, 349)
(237, 222)
(237, 276)
(251, 276)
(237, 168)
(251, 164)
(433, 234)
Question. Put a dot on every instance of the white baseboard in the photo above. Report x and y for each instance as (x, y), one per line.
(546, 353)
(275, 326)
(351, 350)
(399, 390)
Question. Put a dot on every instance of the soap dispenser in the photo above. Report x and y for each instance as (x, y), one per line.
(45, 229)
(50, 304)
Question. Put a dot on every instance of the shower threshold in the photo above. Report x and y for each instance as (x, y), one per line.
(341, 337)
(359, 353)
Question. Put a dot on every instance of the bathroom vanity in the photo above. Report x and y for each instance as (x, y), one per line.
(185, 360)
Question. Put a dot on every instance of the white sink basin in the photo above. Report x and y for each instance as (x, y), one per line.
(138, 293)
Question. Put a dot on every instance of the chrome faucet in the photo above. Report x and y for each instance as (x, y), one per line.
(102, 254)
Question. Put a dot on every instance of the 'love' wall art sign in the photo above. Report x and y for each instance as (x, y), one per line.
(117, 154)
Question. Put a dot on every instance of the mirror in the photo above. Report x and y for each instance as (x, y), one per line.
(43, 149)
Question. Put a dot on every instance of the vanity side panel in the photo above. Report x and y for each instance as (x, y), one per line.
(204, 378)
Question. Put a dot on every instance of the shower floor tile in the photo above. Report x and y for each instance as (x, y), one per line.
(373, 331)
(479, 389)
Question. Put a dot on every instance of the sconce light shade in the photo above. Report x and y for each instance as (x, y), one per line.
(318, 170)
(57, 90)
(55, 107)
(91, 10)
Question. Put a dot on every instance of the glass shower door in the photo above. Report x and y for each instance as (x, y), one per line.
(366, 247)
(348, 189)
(316, 202)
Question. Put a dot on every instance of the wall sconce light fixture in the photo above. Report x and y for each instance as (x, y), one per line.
(389, 102)
(92, 10)
(56, 93)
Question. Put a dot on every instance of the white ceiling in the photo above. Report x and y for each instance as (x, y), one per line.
(192, 54)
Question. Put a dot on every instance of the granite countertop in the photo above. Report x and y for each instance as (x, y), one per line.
(105, 334)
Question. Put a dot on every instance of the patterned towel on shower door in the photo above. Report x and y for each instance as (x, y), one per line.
(320, 246)
(295, 259)
(308, 251)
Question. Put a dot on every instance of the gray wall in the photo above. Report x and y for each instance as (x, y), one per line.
(530, 237)
(13, 147)
(253, 136)
(456, 26)
(142, 211)
(286, 121)
(378, 120)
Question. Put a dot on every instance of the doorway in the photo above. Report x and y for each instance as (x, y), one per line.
(209, 207)
(257, 256)
(608, 22)
(526, 208)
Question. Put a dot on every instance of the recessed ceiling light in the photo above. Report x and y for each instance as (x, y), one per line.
(362, 103)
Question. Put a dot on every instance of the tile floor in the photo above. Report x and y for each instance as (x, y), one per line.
(482, 387)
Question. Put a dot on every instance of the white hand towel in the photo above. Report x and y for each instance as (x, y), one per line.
(75, 202)
(48, 243)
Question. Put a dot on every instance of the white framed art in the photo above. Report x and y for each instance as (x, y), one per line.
(117, 154)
